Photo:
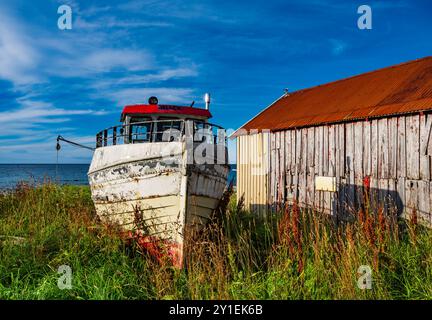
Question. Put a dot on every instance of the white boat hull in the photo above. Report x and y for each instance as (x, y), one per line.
(159, 197)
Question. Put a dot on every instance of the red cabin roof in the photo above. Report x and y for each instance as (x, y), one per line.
(164, 109)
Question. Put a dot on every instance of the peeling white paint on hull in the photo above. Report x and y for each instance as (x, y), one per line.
(134, 187)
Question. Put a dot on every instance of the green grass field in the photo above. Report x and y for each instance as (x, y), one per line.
(284, 256)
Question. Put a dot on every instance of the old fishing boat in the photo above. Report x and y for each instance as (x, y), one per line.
(160, 174)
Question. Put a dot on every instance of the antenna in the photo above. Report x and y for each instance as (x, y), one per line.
(192, 104)
(207, 100)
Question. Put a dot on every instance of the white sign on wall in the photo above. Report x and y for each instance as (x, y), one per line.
(325, 184)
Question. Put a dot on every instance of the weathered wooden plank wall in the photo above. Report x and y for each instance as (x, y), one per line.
(393, 154)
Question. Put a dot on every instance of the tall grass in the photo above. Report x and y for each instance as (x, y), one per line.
(294, 254)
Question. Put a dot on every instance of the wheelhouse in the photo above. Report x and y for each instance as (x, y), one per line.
(153, 122)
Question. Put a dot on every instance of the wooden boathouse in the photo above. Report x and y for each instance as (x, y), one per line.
(325, 146)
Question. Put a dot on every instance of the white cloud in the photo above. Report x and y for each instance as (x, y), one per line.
(31, 57)
(140, 95)
(30, 118)
(17, 58)
(173, 9)
(28, 60)
(109, 59)
(102, 61)
(161, 76)
(136, 79)
(37, 112)
(112, 22)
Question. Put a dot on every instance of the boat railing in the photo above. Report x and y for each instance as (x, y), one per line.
(161, 131)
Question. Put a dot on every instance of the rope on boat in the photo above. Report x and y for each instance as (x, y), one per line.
(58, 147)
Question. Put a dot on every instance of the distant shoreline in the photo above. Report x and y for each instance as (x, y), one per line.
(44, 164)
(12, 174)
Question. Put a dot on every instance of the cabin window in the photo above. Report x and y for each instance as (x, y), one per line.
(144, 129)
(140, 130)
(167, 129)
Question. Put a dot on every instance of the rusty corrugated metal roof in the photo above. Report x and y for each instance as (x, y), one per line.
(404, 88)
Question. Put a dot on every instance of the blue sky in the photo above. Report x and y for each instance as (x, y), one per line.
(75, 82)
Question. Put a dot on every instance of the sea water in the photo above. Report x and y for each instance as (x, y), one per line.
(73, 174)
